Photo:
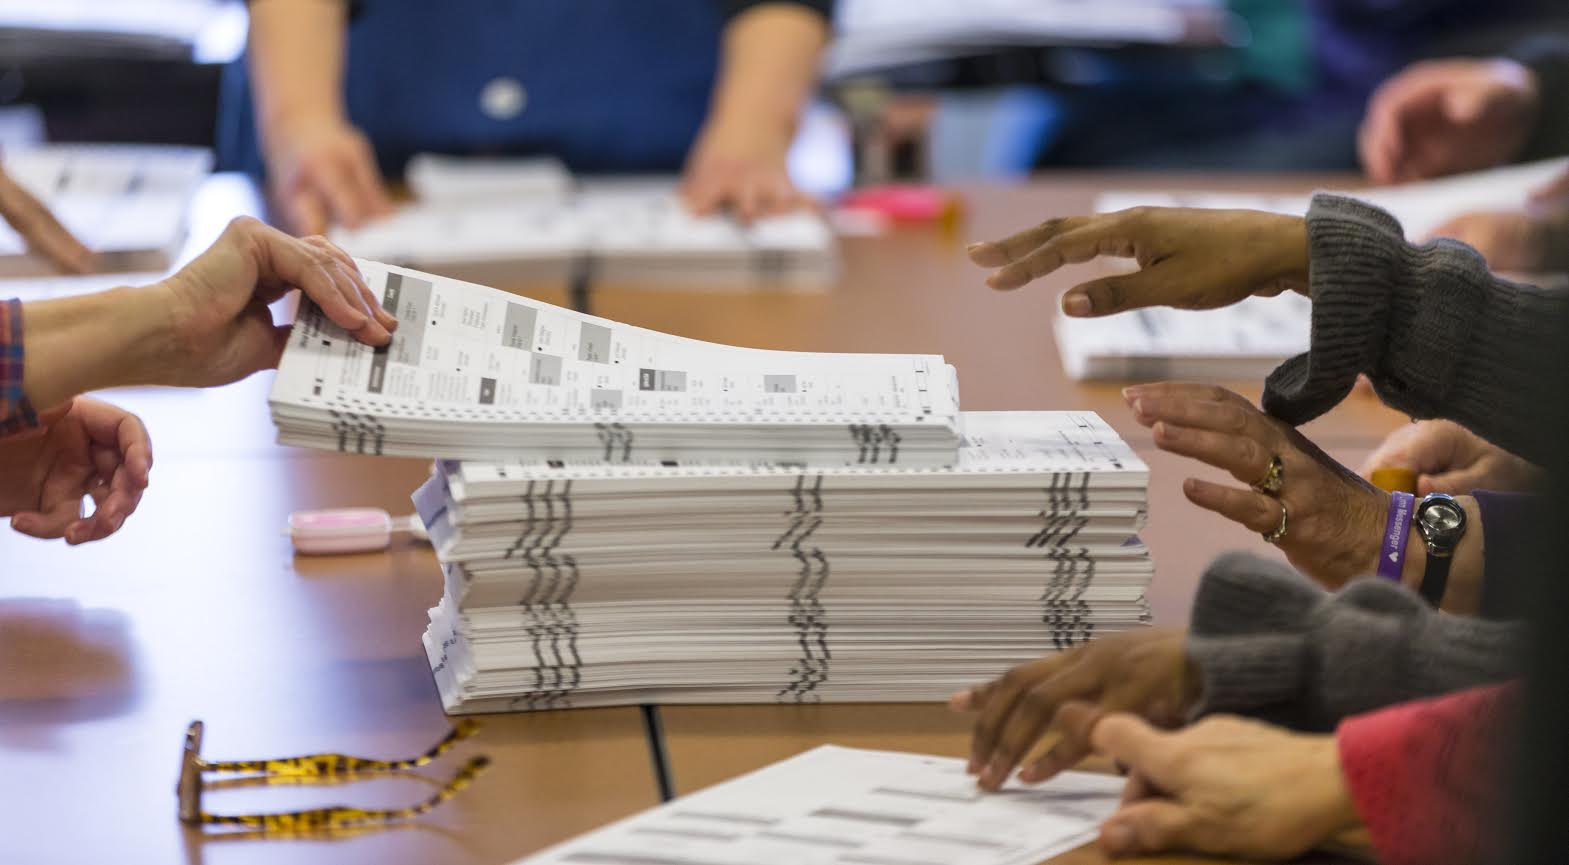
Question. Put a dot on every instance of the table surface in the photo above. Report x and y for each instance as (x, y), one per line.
(197, 608)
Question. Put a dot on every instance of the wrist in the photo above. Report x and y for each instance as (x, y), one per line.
(1294, 249)
(1463, 592)
(1336, 810)
(110, 339)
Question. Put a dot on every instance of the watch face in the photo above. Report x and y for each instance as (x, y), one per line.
(1441, 521)
(1442, 518)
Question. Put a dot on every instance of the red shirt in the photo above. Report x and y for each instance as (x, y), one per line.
(1426, 776)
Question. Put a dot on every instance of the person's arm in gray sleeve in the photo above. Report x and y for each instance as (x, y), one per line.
(1437, 333)
(1271, 644)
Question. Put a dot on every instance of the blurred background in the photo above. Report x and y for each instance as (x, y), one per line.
(926, 90)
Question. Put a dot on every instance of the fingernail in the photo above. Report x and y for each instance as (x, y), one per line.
(1116, 839)
(974, 246)
(1076, 305)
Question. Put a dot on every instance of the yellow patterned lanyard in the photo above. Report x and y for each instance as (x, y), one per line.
(316, 766)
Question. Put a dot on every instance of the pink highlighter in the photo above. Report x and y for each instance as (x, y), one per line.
(348, 530)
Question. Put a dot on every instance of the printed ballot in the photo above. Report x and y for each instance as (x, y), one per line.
(127, 203)
(476, 373)
(587, 584)
(845, 806)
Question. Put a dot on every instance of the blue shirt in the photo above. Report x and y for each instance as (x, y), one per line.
(605, 85)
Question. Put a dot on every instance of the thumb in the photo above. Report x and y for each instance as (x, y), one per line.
(1128, 739)
(280, 341)
(1457, 482)
(1465, 106)
(1148, 826)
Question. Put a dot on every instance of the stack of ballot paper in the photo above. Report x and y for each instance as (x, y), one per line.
(476, 373)
(1249, 339)
(835, 805)
(527, 221)
(127, 203)
(576, 583)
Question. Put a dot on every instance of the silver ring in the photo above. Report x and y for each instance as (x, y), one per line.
(1273, 479)
(1275, 536)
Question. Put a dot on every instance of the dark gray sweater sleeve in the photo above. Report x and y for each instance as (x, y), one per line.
(1437, 333)
(1272, 644)
(1548, 58)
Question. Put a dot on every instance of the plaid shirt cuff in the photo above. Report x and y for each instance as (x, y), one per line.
(16, 413)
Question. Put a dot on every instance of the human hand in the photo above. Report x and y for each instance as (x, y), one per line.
(39, 228)
(744, 170)
(1448, 458)
(324, 171)
(1334, 519)
(221, 329)
(1528, 240)
(1224, 786)
(81, 448)
(1188, 258)
(1145, 671)
(1446, 116)
(1511, 240)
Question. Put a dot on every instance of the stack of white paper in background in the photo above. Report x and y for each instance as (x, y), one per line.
(1249, 339)
(127, 203)
(528, 221)
(476, 373)
(582, 584)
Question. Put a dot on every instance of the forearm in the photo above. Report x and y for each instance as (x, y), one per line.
(768, 68)
(78, 344)
(1268, 643)
(1438, 334)
(296, 58)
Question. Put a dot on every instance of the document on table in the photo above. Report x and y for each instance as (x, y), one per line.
(473, 372)
(844, 806)
(125, 202)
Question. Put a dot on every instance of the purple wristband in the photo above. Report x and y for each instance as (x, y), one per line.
(1397, 530)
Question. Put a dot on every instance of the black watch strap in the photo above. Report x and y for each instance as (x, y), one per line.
(1435, 579)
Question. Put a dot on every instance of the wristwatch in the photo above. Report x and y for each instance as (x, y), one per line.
(1441, 521)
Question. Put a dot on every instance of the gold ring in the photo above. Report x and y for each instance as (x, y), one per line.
(1275, 536)
(1273, 479)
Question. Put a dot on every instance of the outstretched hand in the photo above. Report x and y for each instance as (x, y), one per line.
(1188, 258)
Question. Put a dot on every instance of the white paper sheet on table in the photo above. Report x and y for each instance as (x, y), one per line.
(844, 806)
(127, 203)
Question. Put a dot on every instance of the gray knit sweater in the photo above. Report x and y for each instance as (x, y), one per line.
(1271, 644)
(1439, 336)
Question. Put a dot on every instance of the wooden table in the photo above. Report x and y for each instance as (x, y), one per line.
(197, 609)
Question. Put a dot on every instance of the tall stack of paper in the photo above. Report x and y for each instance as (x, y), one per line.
(526, 221)
(476, 373)
(844, 806)
(585, 584)
(127, 203)
(1248, 340)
